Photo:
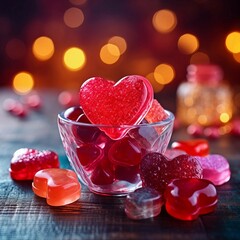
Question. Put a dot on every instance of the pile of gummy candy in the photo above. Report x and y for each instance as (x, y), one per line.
(183, 180)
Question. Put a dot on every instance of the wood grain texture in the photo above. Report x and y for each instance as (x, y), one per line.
(26, 216)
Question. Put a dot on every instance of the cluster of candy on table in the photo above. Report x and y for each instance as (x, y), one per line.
(20, 107)
(215, 132)
(183, 179)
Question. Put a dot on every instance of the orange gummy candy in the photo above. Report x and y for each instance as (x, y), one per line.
(58, 186)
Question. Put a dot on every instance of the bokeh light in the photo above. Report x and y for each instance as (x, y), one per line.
(15, 49)
(73, 17)
(109, 53)
(43, 48)
(164, 73)
(188, 43)
(232, 42)
(199, 58)
(120, 42)
(236, 57)
(74, 58)
(23, 82)
(157, 87)
(164, 21)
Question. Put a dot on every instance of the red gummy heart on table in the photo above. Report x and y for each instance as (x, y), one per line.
(26, 162)
(157, 171)
(123, 103)
(58, 186)
(188, 198)
(194, 147)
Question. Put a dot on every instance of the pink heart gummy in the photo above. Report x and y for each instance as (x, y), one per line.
(215, 168)
(157, 171)
(123, 103)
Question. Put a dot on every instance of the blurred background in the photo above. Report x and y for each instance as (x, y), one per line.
(59, 44)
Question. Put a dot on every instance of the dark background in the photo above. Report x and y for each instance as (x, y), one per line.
(209, 20)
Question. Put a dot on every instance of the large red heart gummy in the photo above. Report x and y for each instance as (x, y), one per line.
(123, 103)
(58, 186)
(188, 198)
(157, 171)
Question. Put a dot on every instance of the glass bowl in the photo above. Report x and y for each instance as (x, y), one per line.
(104, 165)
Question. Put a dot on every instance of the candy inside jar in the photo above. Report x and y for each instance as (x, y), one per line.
(107, 166)
(204, 99)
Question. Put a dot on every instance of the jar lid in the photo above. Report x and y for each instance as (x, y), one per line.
(206, 73)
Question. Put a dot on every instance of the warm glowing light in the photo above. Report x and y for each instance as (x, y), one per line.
(43, 48)
(224, 117)
(109, 53)
(73, 17)
(74, 58)
(202, 119)
(164, 21)
(199, 58)
(188, 43)
(23, 82)
(157, 87)
(119, 42)
(164, 73)
(236, 57)
(15, 49)
(232, 42)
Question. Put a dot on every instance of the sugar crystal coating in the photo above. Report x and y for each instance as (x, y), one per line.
(123, 103)
(26, 162)
(157, 171)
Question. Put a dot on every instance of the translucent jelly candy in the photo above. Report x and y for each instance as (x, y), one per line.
(125, 152)
(123, 103)
(26, 162)
(143, 203)
(157, 171)
(194, 147)
(188, 198)
(58, 186)
(215, 168)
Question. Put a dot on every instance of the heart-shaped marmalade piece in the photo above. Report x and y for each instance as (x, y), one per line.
(157, 171)
(123, 103)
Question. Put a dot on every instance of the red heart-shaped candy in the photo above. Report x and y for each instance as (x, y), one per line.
(157, 171)
(188, 198)
(123, 103)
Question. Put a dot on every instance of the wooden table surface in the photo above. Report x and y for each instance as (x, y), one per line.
(26, 216)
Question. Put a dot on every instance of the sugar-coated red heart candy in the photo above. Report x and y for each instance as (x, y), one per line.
(26, 162)
(123, 103)
(215, 168)
(188, 198)
(194, 147)
(58, 186)
(157, 171)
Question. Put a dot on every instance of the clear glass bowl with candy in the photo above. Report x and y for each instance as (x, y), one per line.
(113, 128)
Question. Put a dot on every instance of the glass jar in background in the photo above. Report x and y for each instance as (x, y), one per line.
(204, 99)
